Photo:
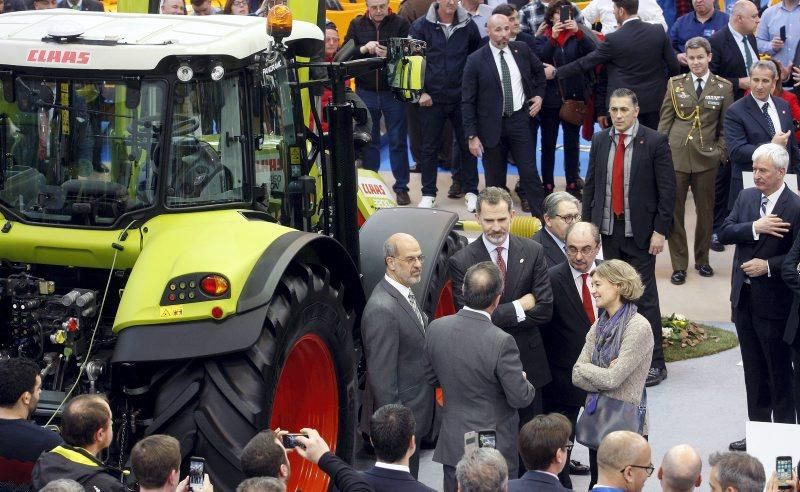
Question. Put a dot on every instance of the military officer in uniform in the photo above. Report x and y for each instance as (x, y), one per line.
(692, 116)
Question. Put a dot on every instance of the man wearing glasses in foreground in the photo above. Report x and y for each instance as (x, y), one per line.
(624, 464)
(560, 211)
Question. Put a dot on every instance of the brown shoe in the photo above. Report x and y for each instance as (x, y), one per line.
(402, 197)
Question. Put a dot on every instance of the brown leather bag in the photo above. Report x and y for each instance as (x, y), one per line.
(573, 111)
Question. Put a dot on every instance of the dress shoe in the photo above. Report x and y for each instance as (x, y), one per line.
(427, 202)
(716, 245)
(738, 445)
(704, 270)
(574, 190)
(525, 205)
(415, 168)
(678, 277)
(471, 201)
(655, 376)
(578, 468)
(402, 197)
(455, 191)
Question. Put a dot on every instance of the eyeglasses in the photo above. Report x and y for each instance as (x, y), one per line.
(649, 469)
(411, 259)
(568, 447)
(380, 6)
(570, 219)
(239, 4)
(585, 251)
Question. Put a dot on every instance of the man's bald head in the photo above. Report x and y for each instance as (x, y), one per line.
(620, 449)
(498, 29)
(680, 469)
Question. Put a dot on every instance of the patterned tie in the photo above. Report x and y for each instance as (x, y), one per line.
(618, 178)
(765, 110)
(586, 296)
(501, 263)
(748, 58)
(412, 299)
(508, 94)
(699, 88)
(764, 202)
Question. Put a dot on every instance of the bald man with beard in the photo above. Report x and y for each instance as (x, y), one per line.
(624, 463)
(680, 470)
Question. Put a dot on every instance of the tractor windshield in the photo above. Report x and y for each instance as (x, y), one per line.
(78, 152)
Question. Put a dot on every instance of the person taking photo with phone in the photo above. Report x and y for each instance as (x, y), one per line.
(156, 464)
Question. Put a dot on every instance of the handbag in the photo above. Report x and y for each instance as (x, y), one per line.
(572, 111)
(603, 415)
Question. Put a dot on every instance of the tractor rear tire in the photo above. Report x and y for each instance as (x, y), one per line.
(300, 373)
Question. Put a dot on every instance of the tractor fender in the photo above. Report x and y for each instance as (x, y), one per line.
(207, 337)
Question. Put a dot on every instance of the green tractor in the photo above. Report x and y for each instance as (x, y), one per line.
(172, 235)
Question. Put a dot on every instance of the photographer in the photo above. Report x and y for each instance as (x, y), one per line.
(156, 463)
(314, 449)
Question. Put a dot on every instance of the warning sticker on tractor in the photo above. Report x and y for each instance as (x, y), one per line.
(172, 312)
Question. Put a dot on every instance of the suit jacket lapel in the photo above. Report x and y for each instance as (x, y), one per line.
(601, 166)
(514, 264)
(524, 73)
(636, 143)
(568, 284)
(778, 209)
(690, 87)
(403, 302)
(756, 113)
(492, 67)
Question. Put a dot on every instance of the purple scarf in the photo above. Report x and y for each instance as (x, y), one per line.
(609, 332)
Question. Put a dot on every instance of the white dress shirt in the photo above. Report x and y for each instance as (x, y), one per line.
(603, 10)
(467, 308)
(738, 38)
(392, 466)
(516, 77)
(577, 277)
(404, 291)
(772, 199)
(771, 110)
(492, 249)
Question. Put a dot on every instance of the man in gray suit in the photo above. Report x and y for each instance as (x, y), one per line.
(393, 330)
(479, 370)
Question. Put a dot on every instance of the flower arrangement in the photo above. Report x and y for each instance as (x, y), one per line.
(677, 330)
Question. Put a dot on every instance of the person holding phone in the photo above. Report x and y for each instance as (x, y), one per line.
(562, 41)
(779, 33)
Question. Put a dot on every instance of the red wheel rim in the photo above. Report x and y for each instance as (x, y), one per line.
(308, 396)
(446, 305)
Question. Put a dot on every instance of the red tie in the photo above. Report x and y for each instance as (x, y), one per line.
(501, 263)
(587, 298)
(618, 178)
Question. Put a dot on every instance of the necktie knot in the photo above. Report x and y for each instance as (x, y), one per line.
(765, 107)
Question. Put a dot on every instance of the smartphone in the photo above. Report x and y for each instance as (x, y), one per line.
(197, 473)
(565, 12)
(783, 33)
(290, 440)
(783, 467)
(487, 439)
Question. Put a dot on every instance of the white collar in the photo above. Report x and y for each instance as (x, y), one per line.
(773, 198)
(704, 78)
(736, 34)
(467, 308)
(496, 50)
(630, 19)
(760, 103)
(397, 285)
(576, 273)
(491, 247)
(392, 466)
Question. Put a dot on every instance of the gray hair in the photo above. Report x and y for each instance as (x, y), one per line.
(62, 485)
(698, 42)
(483, 470)
(739, 6)
(554, 199)
(593, 230)
(765, 65)
(680, 468)
(623, 92)
(261, 484)
(494, 195)
(738, 470)
(775, 153)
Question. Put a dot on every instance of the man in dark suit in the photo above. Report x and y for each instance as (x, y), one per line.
(763, 224)
(637, 56)
(479, 370)
(83, 5)
(560, 211)
(758, 119)
(527, 300)
(574, 312)
(734, 50)
(630, 196)
(391, 432)
(498, 105)
(544, 444)
(393, 330)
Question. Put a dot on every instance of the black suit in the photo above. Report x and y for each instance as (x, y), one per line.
(746, 128)
(86, 5)
(526, 274)
(386, 479)
(790, 275)
(727, 62)
(564, 338)
(761, 307)
(552, 251)
(482, 110)
(535, 481)
(651, 202)
(637, 56)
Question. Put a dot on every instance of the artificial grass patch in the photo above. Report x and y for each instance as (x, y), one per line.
(697, 340)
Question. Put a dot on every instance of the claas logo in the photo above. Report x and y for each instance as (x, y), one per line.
(59, 56)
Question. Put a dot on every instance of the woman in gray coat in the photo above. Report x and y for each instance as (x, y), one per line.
(616, 356)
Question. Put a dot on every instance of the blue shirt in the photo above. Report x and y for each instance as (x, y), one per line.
(772, 20)
(687, 26)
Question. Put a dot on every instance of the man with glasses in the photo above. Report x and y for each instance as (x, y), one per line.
(393, 329)
(544, 444)
(527, 300)
(623, 462)
(560, 211)
(574, 312)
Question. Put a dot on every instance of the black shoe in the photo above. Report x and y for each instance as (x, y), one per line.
(678, 277)
(704, 270)
(415, 168)
(455, 191)
(716, 245)
(738, 445)
(578, 468)
(525, 205)
(655, 376)
(402, 197)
